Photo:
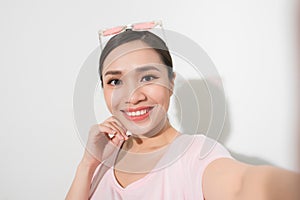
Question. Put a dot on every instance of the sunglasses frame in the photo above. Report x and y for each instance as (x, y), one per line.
(101, 33)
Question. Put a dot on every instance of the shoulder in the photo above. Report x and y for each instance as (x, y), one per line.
(202, 149)
(221, 175)
(198, 152)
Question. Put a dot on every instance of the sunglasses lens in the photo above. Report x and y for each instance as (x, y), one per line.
(112, 31)
(144, 26)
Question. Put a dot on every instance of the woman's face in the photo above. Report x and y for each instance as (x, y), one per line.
(137, 88)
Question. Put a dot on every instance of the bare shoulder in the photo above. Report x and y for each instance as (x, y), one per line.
(222, 178)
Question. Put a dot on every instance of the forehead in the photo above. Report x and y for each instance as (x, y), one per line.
(130, 55)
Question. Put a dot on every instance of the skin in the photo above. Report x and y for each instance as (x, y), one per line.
(126, 87)
(133, 80)
(129, 88)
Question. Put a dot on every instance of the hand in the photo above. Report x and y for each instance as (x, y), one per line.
(100, 145)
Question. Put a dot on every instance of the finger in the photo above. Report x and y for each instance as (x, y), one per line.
(114, 128)
(121, 130)
(114, 119)
(117, 140)
(108, 130)
(104, 129)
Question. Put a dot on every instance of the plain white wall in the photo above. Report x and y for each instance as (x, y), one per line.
(44, 44)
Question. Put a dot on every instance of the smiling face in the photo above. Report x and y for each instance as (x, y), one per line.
(137, 88)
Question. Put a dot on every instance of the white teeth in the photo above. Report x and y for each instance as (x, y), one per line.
(137, 113)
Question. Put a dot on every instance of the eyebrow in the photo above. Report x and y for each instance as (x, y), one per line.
(146, 68)
(113, 73)
(140, 69)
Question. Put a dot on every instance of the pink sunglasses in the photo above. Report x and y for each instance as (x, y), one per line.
(135, 27)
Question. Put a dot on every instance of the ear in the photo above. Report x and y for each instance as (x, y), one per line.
(172, 84)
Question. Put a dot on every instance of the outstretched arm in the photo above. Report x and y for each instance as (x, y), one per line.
(270, 183)
(230, 179)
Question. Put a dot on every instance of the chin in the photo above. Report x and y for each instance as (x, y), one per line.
(147, 128)
(146, 125)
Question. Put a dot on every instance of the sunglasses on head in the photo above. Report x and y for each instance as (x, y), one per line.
(143, 26)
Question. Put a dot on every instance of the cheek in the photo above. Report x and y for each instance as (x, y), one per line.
(113, 99)
(159, 94)
(108, 97)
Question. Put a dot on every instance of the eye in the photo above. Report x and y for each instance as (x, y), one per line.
(114, 82)
(148, 78)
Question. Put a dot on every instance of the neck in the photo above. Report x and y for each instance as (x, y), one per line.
(157, 141)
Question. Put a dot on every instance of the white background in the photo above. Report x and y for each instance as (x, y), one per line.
(44, 44)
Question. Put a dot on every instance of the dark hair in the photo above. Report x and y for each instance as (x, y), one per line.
(148, 38)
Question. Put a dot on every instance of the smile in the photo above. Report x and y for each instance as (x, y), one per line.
(137, 114)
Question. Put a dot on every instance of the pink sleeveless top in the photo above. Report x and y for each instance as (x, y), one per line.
(177, 175)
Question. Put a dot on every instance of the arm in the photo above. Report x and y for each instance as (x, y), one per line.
(80, 187)
(231, 179)
(99, 147)
(270, 183)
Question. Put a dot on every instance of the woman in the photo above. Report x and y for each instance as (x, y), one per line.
(155, 161)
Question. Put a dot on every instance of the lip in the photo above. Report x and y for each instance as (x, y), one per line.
(139, 117)
(137, 109)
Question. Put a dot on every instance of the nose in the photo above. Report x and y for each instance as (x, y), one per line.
(135, 96)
